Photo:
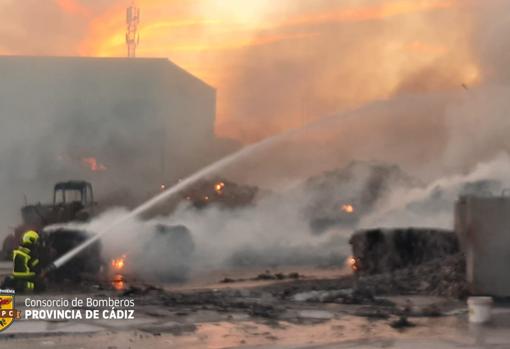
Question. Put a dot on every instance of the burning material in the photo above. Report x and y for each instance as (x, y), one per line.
(386, 250)
(118, 282)
(93, 164)
(118, 264)
(344, 196)
(352, 263)
(347, 208)
(221, 192)
(218, 187)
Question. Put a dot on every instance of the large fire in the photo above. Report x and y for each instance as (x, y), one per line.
(347, 208)
(118, 264)
(93, 164)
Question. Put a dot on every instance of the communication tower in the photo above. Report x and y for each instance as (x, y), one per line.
(132, 37)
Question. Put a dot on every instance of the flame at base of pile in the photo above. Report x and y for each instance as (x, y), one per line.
(352, 263)
(118, 264)
(118, 280)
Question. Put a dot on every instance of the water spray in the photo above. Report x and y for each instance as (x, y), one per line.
(181, 185)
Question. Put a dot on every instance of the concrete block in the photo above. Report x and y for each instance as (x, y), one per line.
(483, 227)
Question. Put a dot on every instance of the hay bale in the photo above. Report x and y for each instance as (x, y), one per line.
(379, 251)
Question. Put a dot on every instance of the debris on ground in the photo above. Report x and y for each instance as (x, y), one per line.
(321, 296)
(267, 275)
(402, 323)
(373, 313)
(141, 290)
(343, 296)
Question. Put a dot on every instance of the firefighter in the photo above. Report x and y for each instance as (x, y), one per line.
(25, 263)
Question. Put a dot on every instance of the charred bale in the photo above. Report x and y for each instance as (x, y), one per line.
(378, 251)
(220, 192)
(59, 242)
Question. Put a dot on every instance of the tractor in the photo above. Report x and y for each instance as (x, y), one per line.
(73, 201)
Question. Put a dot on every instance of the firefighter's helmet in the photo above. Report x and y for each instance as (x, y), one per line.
(30, 237)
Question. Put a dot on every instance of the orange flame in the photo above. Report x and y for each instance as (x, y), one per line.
(348, 208)
(352, 263)
(118, 282)
(119, 263)
(219, 187)
(93, 164)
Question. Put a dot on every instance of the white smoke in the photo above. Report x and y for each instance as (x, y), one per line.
(272, 231)
(432, 205)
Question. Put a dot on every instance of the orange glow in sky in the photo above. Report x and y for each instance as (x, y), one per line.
(308, 49)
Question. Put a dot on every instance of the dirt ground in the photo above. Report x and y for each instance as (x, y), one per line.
(307, 308)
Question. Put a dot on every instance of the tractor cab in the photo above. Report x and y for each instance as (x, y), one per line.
(70, 192)
(73, 200)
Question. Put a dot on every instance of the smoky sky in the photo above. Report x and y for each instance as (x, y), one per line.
(275, 65)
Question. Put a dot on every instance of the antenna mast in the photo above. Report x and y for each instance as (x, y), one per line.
(132, 37)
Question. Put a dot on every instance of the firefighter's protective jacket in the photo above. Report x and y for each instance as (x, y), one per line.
(24, 266)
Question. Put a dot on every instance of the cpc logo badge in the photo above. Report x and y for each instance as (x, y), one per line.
(7, 312)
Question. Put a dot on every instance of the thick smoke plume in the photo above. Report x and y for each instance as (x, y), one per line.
(277, 229)
(438, 110)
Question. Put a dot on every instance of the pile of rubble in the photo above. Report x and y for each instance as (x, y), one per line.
(440, 277)
(220, 192)
(378, 251)
(409, 261)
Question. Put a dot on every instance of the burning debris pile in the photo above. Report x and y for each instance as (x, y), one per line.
(378, 251)
(341, 197)
(220, 192)
(409, 261)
